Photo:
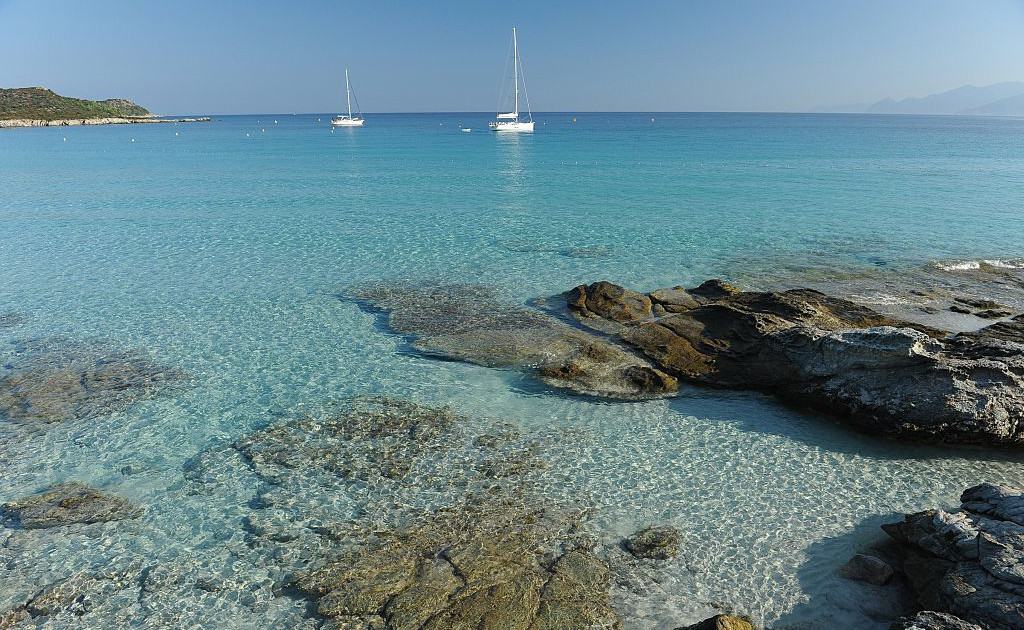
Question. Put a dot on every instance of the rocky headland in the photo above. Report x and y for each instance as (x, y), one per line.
(40, 107)
(78, 122)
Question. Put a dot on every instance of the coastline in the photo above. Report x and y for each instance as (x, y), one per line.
(77, 122)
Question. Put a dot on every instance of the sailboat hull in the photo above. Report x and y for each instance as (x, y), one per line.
(347, 122)
(512, 126)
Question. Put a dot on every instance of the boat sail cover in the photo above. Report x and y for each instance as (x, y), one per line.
(508, 115)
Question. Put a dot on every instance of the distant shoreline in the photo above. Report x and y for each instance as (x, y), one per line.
(77, 122)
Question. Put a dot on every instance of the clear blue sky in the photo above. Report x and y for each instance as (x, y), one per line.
(448, 55)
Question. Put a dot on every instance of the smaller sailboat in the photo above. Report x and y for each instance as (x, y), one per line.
(349, 120)
(511, 121)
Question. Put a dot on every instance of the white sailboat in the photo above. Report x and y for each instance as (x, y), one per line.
(349, 120)
(510, 121)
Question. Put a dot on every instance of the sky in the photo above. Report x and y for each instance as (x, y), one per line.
(232, 57)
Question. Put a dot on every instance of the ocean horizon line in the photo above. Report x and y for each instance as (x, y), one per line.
(583, 112)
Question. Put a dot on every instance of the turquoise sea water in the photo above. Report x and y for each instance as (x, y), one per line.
(219, 248)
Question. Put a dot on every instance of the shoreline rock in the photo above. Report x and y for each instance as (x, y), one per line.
(968, 563)
(877, 373)
(78, 122)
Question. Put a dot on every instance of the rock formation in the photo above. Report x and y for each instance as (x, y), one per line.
(968, 563)
(494, 552)
(66, 504)
(885, 375)
(469, 323)
(722, 622)
(931, 620)
(657, 543)
(53, 380)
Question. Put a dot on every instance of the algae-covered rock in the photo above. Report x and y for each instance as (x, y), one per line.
(54, 380)
(471, 323)
(66, 504)
(658, 543)
(489, 564)
(492, 551)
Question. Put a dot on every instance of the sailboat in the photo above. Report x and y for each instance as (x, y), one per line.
(349, 121)
(510, 121)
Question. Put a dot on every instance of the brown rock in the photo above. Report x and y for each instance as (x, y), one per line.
(609, 301)
(722, 622)
(66, 504)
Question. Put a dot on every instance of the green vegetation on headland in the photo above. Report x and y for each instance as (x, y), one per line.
(37, 103)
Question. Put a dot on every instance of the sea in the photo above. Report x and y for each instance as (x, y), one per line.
(222, 248)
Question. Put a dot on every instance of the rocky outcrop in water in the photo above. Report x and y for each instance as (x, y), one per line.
(54, 380)
(968, 563)
(493, 552)
(882, 374)
(66, 504)
(470, 323)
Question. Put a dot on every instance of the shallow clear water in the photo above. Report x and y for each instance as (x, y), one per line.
(218, 248)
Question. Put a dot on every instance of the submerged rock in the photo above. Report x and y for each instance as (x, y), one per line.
(867, 568)
(469, 323)
(66, 504)
(491, 551)
(658, 543)
(968, 563)
(722, 622)
(53, 380)
(885, 375)
(10, 319)
(492, 564)
(359, 439)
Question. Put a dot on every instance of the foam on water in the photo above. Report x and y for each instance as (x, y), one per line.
(220, 255)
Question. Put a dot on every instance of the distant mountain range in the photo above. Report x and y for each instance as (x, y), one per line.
(999, 99)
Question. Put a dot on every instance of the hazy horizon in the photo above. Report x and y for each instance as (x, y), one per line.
(659, 56)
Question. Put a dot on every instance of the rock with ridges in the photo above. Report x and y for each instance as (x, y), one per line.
(884, 375)
(968, 563)
(609, 301)
(674, 300)
(66, 504)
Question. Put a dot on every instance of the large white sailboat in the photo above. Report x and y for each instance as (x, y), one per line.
(511, 121)
(349, 120)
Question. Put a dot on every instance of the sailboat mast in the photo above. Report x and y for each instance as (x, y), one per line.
(515, 68)
(348, 94)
